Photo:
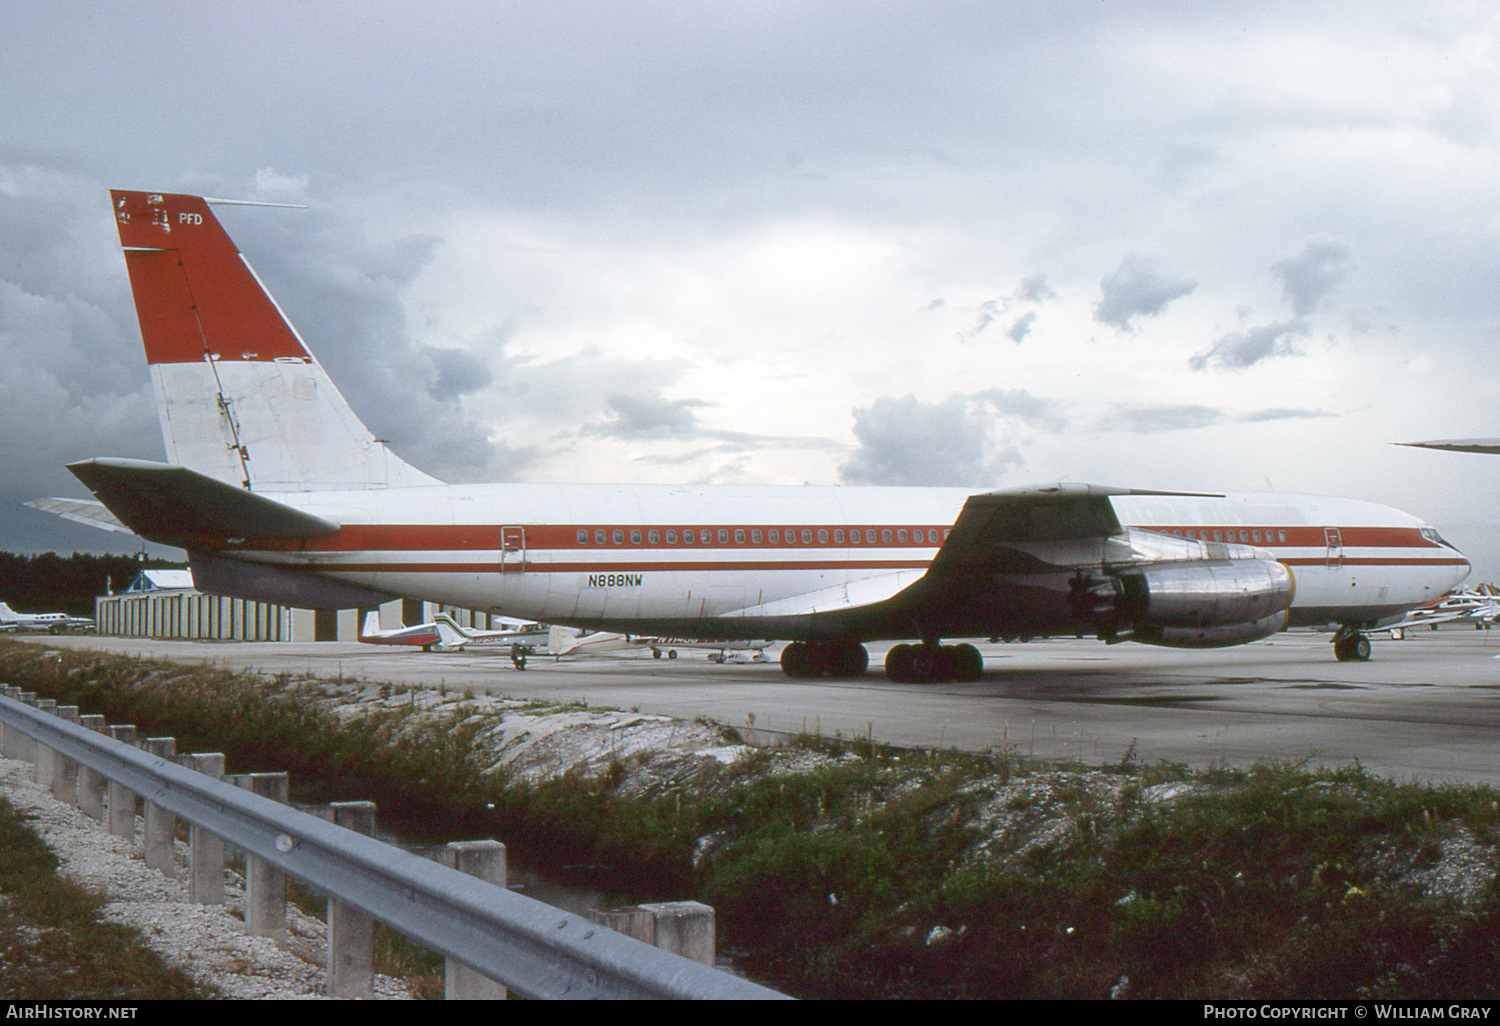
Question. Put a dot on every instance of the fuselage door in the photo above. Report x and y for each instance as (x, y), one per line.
(1335, 547)
(512, 550)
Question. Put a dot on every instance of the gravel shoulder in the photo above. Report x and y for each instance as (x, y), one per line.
(207, 941)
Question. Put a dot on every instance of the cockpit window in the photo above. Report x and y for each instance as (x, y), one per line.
(1430, 533)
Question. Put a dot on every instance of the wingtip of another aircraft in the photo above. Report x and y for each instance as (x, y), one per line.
(1481, 445)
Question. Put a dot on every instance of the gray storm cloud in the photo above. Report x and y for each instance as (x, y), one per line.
(1035, 289)
(1310, 275)
(1157, 418)
(963, 440)
(343, 292)
(1134, 290)
(1242, 349)
(458, 373)
(1018, 331)
(497, 194)
(75, 384)
(646, 416)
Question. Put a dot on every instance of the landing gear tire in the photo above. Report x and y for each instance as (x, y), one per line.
(932, 664)
(966, 663)
(838, 659)
(1352, 648)
(898, 664)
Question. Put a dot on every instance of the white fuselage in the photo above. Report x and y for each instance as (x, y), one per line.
(655, 558)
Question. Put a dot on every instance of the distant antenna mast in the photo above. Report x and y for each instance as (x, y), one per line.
(251, 203)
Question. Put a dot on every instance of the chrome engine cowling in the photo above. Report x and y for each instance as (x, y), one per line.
(1218, 594)
(1210, 637)
(1196, 604)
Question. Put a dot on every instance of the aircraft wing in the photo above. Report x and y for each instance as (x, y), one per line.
(992, 524)
(1485, 445)
(82, 511)
(868, 591)
(996, 531)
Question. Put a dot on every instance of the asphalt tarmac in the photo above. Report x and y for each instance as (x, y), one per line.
(1425, 708)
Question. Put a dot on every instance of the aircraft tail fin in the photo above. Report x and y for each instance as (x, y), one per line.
(450, 634)
(371, 625)
(240, 397)
(7, 614)
(446, 622)
(561, 640)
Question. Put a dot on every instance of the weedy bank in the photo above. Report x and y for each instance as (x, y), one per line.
(841, 868)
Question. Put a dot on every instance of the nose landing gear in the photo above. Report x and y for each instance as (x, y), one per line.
(1351, 646)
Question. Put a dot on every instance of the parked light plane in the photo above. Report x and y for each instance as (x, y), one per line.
(278, 493)
(425, 636)
(497, 642)
(571, 642)
(719, 649)
(554, 640)
(10, 620)
(1479, 606)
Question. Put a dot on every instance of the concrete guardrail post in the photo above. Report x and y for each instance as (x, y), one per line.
(27, 751)
(64, 769)
(42, 770)
(91, 783)
(351, 933)
(205, 850)
(121, 800)
(265, 886)
(684, 928)
(160, 825)
(486, 860)
(10, 737)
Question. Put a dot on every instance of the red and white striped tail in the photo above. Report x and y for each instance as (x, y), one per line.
(240, 396)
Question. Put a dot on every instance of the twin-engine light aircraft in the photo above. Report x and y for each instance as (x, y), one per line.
(54, 623)
(280, 494)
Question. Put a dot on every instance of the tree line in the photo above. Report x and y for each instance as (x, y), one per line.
(49, 583)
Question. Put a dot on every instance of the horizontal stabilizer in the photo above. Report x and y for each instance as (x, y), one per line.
(81, 511)
(175, 505)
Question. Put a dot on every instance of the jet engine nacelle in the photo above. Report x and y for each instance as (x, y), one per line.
(1223, 593)
(1210, 637)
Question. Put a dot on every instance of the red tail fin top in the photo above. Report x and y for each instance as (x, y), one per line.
(194, 294)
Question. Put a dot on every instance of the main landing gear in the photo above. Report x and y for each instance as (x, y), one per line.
(1351, 646)
(932, 663)
(808, 659)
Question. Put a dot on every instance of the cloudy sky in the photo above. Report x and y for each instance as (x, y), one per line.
(1164, 245)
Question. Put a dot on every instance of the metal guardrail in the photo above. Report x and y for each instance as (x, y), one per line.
(532, 948)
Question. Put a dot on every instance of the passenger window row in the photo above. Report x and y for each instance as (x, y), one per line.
(1244, 537)
(764, 536)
